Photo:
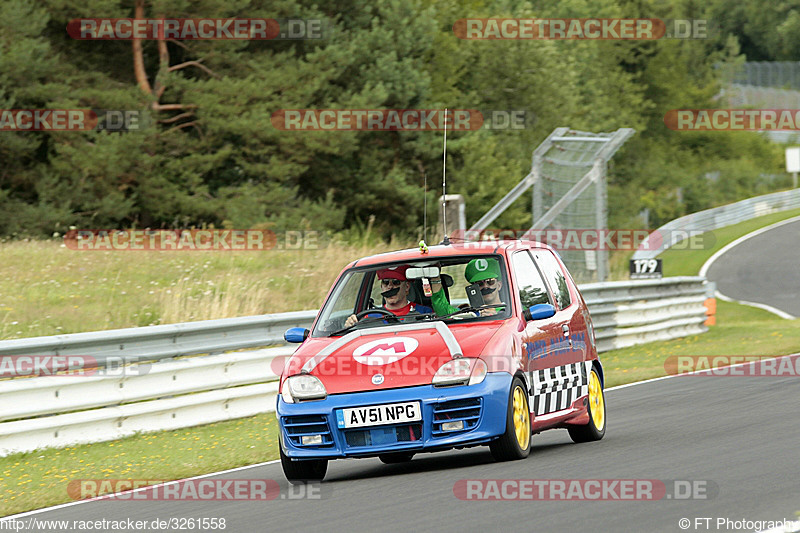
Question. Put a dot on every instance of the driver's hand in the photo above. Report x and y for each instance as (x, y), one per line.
(436, 284)
(489, 311)
(350, 321)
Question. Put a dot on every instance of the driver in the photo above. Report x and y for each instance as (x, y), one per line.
(394, 289)
(483, 271)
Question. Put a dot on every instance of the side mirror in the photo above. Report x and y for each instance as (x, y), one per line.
(296, 334)
(538, 312)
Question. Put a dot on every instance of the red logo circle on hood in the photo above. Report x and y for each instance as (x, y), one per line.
(385, 351)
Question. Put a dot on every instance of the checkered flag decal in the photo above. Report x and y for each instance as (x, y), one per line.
(554, 389)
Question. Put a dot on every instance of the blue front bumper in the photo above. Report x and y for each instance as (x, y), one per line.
(482, 408)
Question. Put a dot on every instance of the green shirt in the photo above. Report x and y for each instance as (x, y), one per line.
(442, 306)
(440, 303)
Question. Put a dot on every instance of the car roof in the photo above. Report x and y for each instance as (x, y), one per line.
(451, 250)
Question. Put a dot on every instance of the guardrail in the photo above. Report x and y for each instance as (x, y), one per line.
(170, 393)
(718, 217)
(170, 340)
(626, 313)
(173, 394)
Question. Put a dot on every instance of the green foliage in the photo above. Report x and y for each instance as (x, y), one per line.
(216, 159)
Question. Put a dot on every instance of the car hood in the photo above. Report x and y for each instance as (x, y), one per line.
(403, 356)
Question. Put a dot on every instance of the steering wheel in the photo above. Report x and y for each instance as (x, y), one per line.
(388, 314)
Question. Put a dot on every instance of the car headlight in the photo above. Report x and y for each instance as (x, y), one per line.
(303, 387)
(462, 371)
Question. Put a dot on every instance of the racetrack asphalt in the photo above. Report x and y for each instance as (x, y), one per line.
(763, 269)
(739, 434)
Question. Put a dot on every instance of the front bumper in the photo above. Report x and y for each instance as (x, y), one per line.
(482, 407)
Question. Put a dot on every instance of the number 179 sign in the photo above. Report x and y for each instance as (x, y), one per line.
(645, 268)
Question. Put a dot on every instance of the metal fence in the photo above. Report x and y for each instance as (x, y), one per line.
(718, 217)
(568, 176)
(780, 74)
(757, 97)
(761, 97)
(764, 85)
(176, 391)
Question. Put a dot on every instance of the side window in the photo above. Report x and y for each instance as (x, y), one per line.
(555, 277)
(532, 289)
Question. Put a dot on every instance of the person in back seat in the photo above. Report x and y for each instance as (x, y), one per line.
(394, 289)
(484, 272)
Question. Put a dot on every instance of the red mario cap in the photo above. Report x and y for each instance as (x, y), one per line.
(398, 272)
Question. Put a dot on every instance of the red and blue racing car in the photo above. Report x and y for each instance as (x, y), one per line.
(436, 348)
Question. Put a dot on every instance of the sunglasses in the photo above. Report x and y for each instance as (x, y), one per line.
(491, 282)
(391, 282)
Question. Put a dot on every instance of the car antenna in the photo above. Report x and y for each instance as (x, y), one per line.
(445, 240)
(425, 206)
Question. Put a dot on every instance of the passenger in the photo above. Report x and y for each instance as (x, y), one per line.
(483, 271)
(395, 288)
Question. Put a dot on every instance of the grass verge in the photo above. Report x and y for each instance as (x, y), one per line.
(740, 330)
(40, 479)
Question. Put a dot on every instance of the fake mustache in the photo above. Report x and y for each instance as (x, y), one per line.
(486, 291)
(390, 292)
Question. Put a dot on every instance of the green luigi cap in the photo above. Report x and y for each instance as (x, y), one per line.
(481, 269)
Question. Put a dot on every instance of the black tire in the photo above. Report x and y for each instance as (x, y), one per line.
(395, 458)
(508, 447)
(298, 472)
(595, 429)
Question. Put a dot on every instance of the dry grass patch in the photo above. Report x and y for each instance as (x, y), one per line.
(47, 289)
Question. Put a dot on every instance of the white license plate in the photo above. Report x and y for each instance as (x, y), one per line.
(379, 415)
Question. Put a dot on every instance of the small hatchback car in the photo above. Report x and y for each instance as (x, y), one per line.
(429, 349)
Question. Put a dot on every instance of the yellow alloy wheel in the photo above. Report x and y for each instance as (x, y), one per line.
(522, 418)
(596, 402)
(515, 442)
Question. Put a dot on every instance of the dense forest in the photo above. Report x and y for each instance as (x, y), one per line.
(207, 153)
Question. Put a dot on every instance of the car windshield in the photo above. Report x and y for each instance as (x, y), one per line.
(396, 292)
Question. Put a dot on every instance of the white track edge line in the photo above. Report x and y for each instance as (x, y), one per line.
(707, 265)
(765, 307)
